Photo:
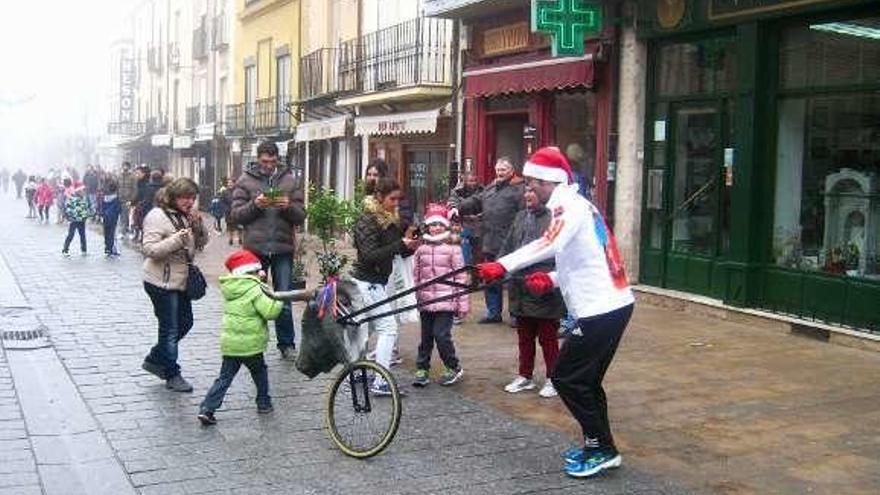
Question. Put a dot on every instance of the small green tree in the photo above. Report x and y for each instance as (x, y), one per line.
(329, 216)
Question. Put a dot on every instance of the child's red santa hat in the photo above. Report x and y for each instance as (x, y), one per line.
(436, 213)
(242, 262)
(549, 164)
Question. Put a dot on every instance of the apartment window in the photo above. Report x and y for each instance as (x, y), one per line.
(283, 85)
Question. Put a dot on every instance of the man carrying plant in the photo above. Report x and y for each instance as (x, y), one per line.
(268, 204)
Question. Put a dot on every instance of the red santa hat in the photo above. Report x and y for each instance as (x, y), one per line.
(436, 213)
(242, 262)
(549, 164)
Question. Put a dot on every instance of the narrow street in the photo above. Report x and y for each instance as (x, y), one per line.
(86, 419)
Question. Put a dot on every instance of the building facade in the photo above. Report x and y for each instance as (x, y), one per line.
(265, 80)
(762, 155)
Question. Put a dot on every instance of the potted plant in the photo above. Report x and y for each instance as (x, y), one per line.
(843, 259)
(329, 216)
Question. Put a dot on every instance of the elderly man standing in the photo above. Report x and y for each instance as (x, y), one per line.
(497, 205)
(268, 203)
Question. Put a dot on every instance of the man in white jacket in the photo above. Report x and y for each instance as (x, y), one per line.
(590, 274)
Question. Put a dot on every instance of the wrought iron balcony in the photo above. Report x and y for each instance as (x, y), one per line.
(413, 53)
(126, 128)
(200, 42)
(193, 117)
(237, 120)
(319, 73)
(210, 114)
(266, 117)
(157, 125)
(220, 35)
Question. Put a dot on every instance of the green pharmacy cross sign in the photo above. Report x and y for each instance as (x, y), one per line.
(567, 22)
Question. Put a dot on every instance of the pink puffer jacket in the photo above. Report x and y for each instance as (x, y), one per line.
(432, 260)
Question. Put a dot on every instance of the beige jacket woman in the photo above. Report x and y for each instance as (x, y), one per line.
(165, 250)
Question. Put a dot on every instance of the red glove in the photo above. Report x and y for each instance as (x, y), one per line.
(490, 272)
(539, 283)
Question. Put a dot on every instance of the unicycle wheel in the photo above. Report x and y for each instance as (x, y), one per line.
(362, 423)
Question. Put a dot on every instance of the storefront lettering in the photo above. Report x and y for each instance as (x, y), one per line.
(392, 126)
(506, 39)
(126, 86)
(724, 9)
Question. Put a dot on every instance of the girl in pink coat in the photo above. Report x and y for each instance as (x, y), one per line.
(44, 197)
(438, 256)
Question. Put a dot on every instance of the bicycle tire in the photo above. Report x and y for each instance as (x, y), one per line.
(341, 401)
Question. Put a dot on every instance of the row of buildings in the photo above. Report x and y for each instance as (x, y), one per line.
(734, 144)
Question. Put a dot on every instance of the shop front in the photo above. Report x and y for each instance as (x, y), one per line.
(417, 147)
(762, 155)
(324, 156)
(518, 97)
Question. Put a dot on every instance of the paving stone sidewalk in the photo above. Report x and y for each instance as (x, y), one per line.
(101, 325)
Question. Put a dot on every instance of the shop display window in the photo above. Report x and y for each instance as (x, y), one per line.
(574, 118)
(700, 67)
(827, 212)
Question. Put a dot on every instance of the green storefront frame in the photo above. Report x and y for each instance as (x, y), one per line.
(741, 271)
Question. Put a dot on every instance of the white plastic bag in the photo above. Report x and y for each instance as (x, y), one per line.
(400, 280)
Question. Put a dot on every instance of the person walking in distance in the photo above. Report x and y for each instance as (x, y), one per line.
(4, 180)
(19, 179)
(77, 212)
(44, 197)
(110, 209)
(268, 203)
(497, 204)
(590, 274)
(30, 195)
(127, 193)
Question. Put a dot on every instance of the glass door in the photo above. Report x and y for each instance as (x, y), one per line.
(699, 154)
(428, 175)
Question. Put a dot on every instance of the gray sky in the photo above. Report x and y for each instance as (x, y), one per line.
(55, 79)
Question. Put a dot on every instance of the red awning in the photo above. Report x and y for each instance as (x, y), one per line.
(527, 77)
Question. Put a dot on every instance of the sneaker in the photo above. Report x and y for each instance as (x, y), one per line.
(548, 390)
(519, 384)
(207, 418)
(84, 253)
(287, 352)
(384, 390)
(450, 376)
(457, 320)
(154, 369)
(178, 384)
(65, 254)
(573, 455)
(487, 320)
(265, 409)
(421, 380)
(594, 463)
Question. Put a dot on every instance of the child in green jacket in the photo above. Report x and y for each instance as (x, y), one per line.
(244, 333)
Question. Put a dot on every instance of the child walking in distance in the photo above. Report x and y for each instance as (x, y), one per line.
(77, 212)
(537, 316)
(45, 196)
(436, 257)
(244, 333)
(110, 211)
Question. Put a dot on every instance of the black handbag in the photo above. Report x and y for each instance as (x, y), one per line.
(196, 285)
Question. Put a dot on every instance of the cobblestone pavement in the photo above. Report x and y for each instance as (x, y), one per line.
(100, 323)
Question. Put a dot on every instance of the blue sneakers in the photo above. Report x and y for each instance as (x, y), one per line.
(592, 463)
(573, 455)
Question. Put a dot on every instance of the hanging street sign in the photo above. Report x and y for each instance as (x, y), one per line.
(567, 22)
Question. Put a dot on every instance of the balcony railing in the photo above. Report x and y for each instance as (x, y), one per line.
(319, 73)
(209, 114)
(266, 121)
(173, 56)
(237, 120)
(193, 117)
(157, 125)
(200, 42)
(220, 36)
(414, 53)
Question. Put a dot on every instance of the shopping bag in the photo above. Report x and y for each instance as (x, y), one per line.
(401, 280)
(320, 347)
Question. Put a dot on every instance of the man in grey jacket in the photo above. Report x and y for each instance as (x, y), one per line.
(497, 204)
(268, 203)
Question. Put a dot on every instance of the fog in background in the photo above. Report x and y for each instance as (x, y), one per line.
(55, 81)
